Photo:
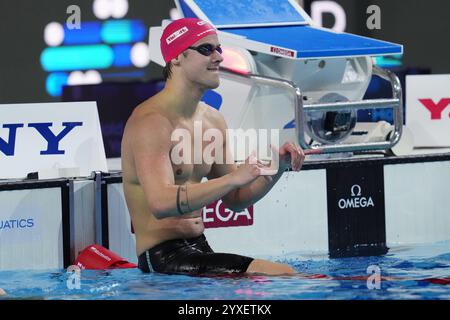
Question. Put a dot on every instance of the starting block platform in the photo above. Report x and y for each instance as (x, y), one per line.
(281, 28)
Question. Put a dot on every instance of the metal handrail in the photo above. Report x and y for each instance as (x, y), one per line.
(363, 104)
(395, 103)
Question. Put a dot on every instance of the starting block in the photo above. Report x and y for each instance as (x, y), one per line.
(280, 71)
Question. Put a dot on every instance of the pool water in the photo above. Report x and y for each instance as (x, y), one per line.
(402, 271)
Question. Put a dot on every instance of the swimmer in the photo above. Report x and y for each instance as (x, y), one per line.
(164, 198)
(2, 292)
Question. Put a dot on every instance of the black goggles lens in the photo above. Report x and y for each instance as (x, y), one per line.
(207, 49)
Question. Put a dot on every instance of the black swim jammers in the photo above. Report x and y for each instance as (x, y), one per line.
(191, 256)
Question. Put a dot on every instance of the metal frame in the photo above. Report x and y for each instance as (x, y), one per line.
(100, 227)
(396, 103)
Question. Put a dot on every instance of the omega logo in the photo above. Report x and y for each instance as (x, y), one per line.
(356, 200)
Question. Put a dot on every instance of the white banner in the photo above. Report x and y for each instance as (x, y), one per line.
(31, 229)
(428, 109)
(50, 136)
(121, 236)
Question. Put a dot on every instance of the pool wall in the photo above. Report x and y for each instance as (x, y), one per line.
(339, 207)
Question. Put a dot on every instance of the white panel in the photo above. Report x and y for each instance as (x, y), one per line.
(291, 217)
(121, 240)
(31, 229)
(155, 34)
(82, 145)
(417, 202)
(84, 214)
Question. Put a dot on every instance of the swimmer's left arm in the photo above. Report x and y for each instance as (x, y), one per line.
(290, 155)
(244, 197)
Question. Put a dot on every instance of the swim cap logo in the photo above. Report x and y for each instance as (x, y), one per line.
(97, 252)
(209, 30)
(176, 35)
(201, 23)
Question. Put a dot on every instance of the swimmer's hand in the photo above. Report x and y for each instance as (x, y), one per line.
(251, 169)
(291, 156)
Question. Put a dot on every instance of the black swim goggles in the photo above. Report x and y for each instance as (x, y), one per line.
(207, 49)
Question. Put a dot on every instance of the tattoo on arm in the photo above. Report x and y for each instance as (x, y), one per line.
(178, 201)
(182, 200)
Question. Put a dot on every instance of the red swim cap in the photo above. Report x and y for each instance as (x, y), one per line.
(181, 34)
(98, 257)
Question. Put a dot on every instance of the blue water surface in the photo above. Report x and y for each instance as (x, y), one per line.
(402, 272)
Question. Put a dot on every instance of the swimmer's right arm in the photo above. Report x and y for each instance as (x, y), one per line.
(151, 145)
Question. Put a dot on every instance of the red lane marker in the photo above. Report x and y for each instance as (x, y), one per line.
(443, 281)
(264, 278)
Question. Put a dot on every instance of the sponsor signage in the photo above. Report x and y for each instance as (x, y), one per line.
(50, 136)
(34, 231)
(428, 109)
(283, 52)
(217, 215)
(356, 211)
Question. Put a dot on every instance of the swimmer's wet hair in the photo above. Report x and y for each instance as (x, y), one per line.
(167, 71)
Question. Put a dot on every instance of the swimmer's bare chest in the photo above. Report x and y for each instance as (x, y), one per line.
(190, 171)
(191, 156)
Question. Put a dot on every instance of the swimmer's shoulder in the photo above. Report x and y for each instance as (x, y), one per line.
(214, 115)
(149, 117)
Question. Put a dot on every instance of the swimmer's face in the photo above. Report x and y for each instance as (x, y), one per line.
(201, 65)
